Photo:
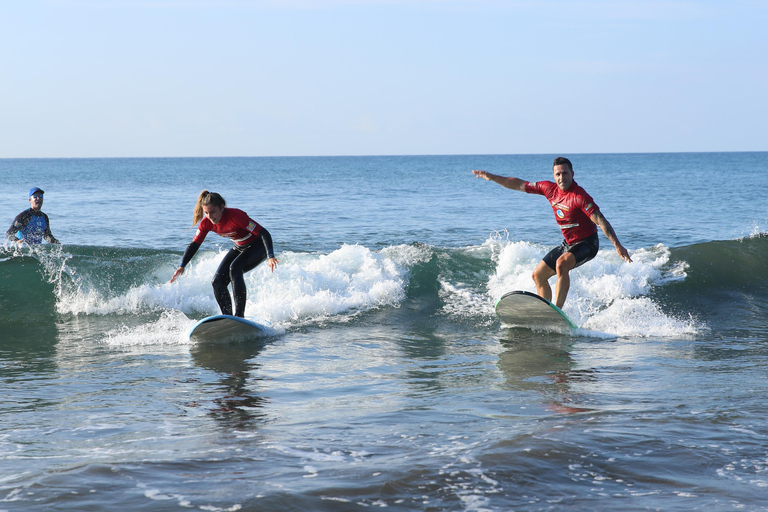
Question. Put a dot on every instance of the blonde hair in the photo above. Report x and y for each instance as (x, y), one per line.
(206, 199)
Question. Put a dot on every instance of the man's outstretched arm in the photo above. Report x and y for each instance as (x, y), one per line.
(513, 183)
(599, 219)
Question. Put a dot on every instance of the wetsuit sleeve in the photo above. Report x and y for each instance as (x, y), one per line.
(266, 238)
(19, 222)
(199, 235)
(11, 233)
(189, 253)
(202, 230)
(48, 235)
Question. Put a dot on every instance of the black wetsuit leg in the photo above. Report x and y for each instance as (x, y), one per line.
(236, 263)
(221, 282)
(249, 259)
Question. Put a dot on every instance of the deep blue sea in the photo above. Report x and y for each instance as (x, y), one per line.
(385, 380)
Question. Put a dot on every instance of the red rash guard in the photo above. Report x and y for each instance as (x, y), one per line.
(572, 208)
(234, 224)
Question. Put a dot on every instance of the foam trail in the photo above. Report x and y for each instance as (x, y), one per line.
(607, 296)
(514, 263)
(319, 287)
(639, 316)
(305, 288)
(170, 329)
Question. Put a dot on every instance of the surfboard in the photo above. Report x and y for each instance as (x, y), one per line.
(224, 328)
(526, 309)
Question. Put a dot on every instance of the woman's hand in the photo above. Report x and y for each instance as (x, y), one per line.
(176, 274)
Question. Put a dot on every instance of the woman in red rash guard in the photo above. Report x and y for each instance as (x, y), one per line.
(253, 245)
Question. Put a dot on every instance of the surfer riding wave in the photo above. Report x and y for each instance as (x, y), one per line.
(576, 214)
(253, 245)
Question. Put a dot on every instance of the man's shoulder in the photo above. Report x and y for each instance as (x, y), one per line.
(582, 197)
(576, 190)
(26, 214)
(543, 186)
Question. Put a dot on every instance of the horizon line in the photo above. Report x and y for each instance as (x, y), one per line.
(379, 155)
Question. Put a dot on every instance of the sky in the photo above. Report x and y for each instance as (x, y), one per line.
(172, 78)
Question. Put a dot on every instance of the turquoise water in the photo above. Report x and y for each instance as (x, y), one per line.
(385, 380)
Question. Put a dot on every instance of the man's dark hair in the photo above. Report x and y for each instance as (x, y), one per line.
(561, 160)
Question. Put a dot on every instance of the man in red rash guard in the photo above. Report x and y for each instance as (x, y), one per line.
(578, 217)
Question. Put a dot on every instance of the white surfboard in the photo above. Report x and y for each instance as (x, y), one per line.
(526, 309)
(224, 328)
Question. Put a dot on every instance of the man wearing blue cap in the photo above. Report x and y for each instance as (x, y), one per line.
(32, 226)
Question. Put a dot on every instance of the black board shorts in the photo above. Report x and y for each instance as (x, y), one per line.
(583, 250)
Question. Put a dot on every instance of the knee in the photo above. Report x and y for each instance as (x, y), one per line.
(220, 281)
(235, 273)
(565, 264)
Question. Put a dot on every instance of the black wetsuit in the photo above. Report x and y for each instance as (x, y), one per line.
(33, 226)
(238, 261)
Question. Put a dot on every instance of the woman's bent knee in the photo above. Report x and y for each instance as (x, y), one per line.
(220, 281)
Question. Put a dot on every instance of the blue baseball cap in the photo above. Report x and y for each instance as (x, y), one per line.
(35, 190)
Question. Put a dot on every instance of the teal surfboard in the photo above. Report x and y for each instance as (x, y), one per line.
(526, 309)
(224, 328)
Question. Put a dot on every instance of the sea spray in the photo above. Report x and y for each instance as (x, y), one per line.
(320, 287)
(603, 291)
(316, 288)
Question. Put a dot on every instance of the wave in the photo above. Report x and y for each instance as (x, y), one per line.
(306, 288)
(736, 265)
(607, 296)
(23, 288)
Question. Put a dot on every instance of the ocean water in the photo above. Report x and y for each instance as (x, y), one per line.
(385, 380)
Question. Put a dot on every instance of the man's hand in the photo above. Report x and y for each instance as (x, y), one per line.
(623, 253)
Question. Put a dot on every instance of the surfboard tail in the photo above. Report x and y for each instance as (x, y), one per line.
(225, 328)
(520, 308)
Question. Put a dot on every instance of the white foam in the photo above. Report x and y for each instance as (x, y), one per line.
(610, 296)
(170, 329)
(639, 316)
(318, 287)
(304, 288)
(756, 230)
(607, 296)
